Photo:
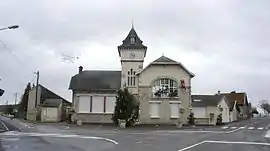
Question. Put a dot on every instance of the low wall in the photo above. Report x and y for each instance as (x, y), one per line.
(92, 118)
(204, 121)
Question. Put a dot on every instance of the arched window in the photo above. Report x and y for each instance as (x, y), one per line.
(131, 77)
(165, 87)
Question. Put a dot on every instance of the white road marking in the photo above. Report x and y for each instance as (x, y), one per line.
(58, 135)
(260, 128)
(192, 146)
(225, 127)
(228, 142)
(242, 127)
(5, 126)
(233, 131)
(251, 128)
(233, 127)
(10, 139)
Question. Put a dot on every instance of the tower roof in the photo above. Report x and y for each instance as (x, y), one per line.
(132, 40)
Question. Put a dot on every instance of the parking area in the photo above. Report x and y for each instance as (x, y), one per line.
(227, 146)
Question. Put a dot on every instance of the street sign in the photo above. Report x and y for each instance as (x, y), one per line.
(1, 92)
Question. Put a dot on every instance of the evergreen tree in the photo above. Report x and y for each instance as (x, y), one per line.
(24, 101)
(126, 108)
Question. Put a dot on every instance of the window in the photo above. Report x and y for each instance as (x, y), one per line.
(131, 78)
(174, 110)
(98, 104)
(154, 110)
(165, 88)
(110, 104)
(84, 104)
(132, 40)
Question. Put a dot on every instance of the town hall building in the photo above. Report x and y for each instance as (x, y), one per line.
(163, 87)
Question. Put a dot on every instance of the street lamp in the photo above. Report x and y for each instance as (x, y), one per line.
(10, 27)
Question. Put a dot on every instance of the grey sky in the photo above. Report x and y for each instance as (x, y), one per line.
(225, 42)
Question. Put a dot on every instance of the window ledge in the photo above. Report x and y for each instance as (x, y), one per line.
(154, 101)
(95, 113)
(155, 117)
(166, 98)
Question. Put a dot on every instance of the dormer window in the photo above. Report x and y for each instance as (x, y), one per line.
(132, 40)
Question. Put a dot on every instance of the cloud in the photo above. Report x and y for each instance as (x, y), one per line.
(225, 43)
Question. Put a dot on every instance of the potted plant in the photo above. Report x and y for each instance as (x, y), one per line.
(219, 119)
(191, 119)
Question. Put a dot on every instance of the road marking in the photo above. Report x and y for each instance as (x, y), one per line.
(10, 139)
(260, 128)
(251, 128)
(233, 127)
(242, 127)
(5, 125)
(225, 127)
(192, 146)
(228, 142)
(58, 135)
(233, 131)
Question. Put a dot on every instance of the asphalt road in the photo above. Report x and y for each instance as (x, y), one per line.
(245, 135)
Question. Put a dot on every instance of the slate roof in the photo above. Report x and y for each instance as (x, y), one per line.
(48, 94)
(96, 80)
(205, 100)
(239, 97)
(52, 103)
(165, 60)
(127, 44)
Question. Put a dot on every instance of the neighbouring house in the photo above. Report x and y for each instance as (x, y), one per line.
(242, 103)
(206, 109)
(162, 88)
(52, 110)
(49, 107)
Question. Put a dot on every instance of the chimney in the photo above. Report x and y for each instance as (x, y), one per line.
(80, 69)
(233, 91)
(218, 92)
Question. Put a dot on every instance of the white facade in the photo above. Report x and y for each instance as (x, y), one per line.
(154, 110)
(225, 112)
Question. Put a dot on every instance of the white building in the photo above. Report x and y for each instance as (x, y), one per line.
(163, 87)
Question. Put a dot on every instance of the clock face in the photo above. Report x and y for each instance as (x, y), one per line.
(132, 55)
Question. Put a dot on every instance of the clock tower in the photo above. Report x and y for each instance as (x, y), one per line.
(132, 53)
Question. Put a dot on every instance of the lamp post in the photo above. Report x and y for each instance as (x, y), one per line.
(5, 28)
(10, 27)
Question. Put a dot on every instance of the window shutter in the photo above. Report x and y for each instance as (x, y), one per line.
(174, 110)
(84, 104)
(110, 104)
(98, 104)
(154, 110)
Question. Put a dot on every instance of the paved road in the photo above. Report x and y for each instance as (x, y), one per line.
(61, 137)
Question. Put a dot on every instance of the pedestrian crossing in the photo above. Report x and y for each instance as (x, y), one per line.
(244, 127)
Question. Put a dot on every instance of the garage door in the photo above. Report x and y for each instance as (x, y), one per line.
(199, 112)
(52, 112)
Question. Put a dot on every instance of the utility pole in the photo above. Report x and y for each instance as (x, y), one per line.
(37, 73)
(16, 96)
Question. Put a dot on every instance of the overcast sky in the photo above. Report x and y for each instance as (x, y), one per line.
(225, 42)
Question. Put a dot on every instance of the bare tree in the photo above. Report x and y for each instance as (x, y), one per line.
(264, 104)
